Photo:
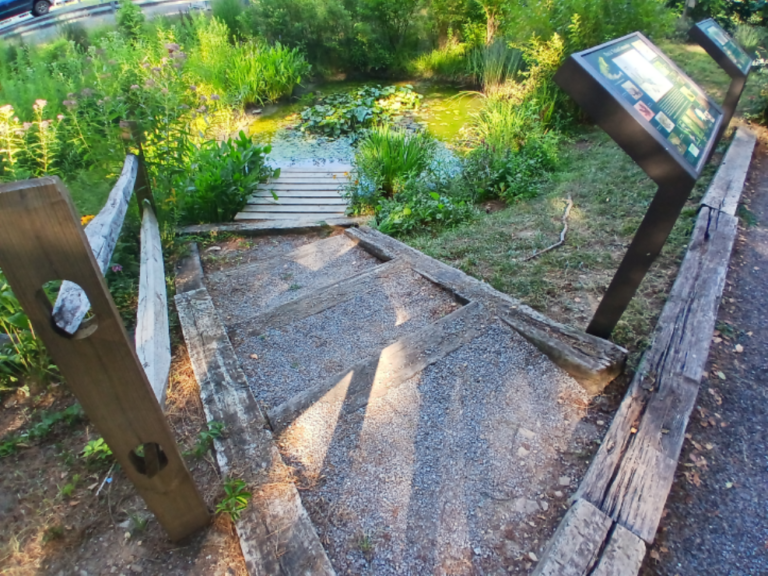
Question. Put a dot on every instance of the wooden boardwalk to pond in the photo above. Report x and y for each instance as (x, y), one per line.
(300, 193)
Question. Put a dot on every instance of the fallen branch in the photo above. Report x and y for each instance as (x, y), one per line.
(567, 213)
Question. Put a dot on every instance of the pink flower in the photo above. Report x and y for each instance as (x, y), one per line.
(117, 268)
(172, 47)
(134, 87)
(215, 97)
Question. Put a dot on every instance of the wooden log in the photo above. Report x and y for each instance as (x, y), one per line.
(153, 340)
(311, 303)
(102, 232)
(248, 227)
(376, 376)
(189, 271)
(591, 361)
(725, 190)
(41, 240)
(633, 470)
(588, 543)
(276, 534)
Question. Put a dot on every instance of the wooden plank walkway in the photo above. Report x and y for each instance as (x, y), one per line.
(302, 193)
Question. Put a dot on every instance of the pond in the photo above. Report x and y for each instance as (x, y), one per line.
(445, 110)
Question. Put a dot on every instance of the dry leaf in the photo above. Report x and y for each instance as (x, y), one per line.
(721, 375)
(655, 555)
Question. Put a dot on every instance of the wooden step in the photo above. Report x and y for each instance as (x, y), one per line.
(297, 179)
(279, 186)
(317, 208)
(304, 217)
(298, 194)
(297, 202)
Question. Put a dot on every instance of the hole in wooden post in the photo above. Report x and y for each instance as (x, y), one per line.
(69, 310)
(148, 459)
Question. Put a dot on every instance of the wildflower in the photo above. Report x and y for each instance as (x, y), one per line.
(179, 55)
(40, 104)
(107, 98)
(69, 103)
(45, 124)
(117, 268)
(84, 220)
(164, 91)
(150, 83)
(215, 97)
(60, 117)
(145, 65)
(112, 62)
(203, 109)
(71, 95)
(6, 110)
(203, 98)
(86, 92)
(172, 47)
(193, 88)
(156, 69)
(27, 126)
(134, 86)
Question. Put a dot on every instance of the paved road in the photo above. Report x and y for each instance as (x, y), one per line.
(717, 513)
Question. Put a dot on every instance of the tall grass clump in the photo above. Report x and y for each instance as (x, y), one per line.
(750, 37)
(388, 156)
(450, 63)
(261, 74)
(492, 66)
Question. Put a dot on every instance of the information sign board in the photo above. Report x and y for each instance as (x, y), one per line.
(724, 49)
(668, 126)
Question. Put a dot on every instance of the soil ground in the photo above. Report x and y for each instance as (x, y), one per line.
(717, 518)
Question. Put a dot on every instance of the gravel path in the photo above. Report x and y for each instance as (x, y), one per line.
(717, 520)
(241, 292)
(292, 358)
(461, 470)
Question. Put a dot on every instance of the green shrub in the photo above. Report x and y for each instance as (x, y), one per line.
(749, 37)
(350, 112)
(388, 156)
(222, 176)
(23, 358)
(130, 19)
(422, 203)
(230, 12)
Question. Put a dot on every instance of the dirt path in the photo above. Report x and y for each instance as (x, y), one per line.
(717, 513)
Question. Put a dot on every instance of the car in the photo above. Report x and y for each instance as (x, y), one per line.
(11, 8)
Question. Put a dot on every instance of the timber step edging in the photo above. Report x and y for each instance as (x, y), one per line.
(276, 534)
(591, 361)
(629, 480)
(250, 225)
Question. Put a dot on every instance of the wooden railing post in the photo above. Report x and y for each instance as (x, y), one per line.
(41, 240)
(142, 188)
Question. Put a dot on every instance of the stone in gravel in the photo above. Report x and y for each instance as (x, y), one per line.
(525, 506)
(544, 506)
(522, 452)
(558, 494)
(564, 481)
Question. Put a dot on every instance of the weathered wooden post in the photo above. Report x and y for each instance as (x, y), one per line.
(142, 188)
(41, 240)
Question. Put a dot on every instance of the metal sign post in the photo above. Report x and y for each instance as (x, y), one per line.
(667, 125)
(731, 57)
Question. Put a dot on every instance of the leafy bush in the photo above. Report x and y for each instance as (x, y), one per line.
(230, 12)
(424, 202)
(750, 37)
(512, 175)
(23, 357)
(130, 19)
(388, 156)
(236, 497)
(345, 113)
(222, 176)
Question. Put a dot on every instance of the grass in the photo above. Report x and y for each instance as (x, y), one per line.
(610, 195)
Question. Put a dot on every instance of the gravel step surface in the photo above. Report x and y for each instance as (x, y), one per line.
(461, 470)
(242, 292)
(284, 361)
